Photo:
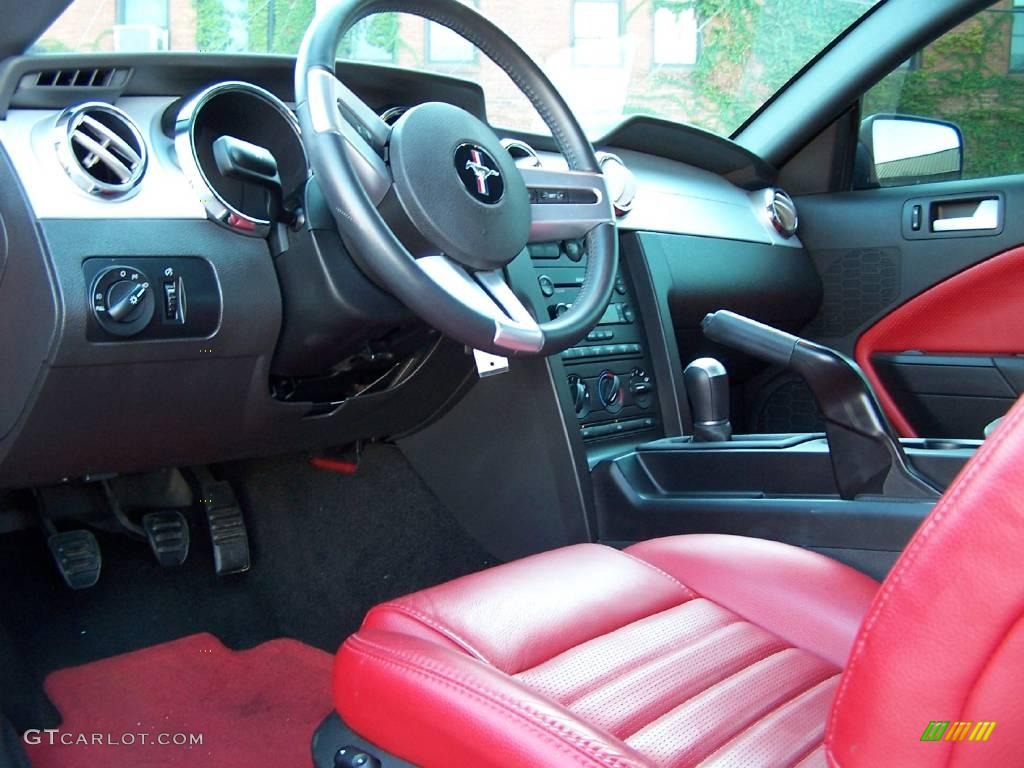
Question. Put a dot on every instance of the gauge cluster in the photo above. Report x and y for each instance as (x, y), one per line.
(249, 114)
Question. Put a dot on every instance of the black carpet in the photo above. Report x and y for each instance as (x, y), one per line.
(326, 547)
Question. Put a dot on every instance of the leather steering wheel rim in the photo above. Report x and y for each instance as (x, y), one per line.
(346, 143)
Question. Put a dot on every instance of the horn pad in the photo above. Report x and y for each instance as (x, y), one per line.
(458, 186)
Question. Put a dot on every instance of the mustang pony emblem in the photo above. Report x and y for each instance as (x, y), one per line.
(481, 171)
(478, 171)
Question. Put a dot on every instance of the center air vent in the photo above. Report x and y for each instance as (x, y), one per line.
(781, 212)
(101, 149)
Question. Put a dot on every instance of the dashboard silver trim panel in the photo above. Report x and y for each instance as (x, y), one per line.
(676, 198)
(163, 192)
(671, 197)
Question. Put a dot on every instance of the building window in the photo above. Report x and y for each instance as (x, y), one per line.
(151, 12)
(1017, 38)
(142, 25)
(596, 26)
(676, 37)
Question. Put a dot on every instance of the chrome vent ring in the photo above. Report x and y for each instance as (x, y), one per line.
(621, 182)
(781, 212)
(101, 149)
(522, 152)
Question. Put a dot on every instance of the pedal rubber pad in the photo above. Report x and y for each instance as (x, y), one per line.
(78, 558)
(227, 529)
(168, 535)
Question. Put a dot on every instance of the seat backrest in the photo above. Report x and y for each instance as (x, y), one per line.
(943, 641)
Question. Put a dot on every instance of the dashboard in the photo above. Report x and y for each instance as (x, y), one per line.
(155, 291)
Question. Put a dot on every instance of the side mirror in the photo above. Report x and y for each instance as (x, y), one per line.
(898, 150)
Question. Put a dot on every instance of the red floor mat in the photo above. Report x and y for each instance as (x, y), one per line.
(250, 708)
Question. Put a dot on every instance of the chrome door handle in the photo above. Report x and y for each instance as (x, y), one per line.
(985, 216)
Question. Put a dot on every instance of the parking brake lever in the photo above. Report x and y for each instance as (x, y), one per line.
(867, 457)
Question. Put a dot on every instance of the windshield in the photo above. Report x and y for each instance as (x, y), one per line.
(709, 63)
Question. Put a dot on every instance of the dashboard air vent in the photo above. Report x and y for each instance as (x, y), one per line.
(90, 77)
(781, 212)
(101, 149)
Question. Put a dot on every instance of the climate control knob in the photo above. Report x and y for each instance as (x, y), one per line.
(641, 387)
(122, 301)
(580, 394)
(609, 391)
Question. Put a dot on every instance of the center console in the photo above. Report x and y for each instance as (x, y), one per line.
(609, 373)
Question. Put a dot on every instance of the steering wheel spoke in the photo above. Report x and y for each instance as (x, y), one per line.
(335, 109)
(565, 205)
(487, 292)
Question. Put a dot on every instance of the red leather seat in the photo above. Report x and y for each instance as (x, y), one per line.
(714, 650)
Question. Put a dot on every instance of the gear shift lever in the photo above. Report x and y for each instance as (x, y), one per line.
(707, 389)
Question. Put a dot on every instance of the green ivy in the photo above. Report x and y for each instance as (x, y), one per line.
(211, 25)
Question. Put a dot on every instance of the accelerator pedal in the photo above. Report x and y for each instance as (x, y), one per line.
(168, 536)
(227, 528)
(78, 558)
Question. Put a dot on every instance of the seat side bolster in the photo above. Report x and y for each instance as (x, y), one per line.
(433, 705)
(807, 599)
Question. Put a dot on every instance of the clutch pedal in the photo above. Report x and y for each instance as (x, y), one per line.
(227, 528)
(78, 558)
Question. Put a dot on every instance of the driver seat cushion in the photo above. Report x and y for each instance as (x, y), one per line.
(673, 652)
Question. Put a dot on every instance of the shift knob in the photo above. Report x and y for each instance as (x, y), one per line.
(707, 389)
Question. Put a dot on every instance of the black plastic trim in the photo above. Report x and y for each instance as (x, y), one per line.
(631, 509)
(333, 734)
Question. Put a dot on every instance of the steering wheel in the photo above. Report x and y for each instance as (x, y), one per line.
(434, 208)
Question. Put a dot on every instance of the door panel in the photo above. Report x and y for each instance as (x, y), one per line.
(975, 312)
(889, 289)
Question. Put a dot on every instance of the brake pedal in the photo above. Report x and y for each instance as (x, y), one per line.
(78, 558)
(168, 536)
(227, 528)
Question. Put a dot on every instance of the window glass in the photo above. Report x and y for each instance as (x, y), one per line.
(709, 63)
(1017, 38)
(595, 31)
(143, 12)
(372, 39)
(968, 77)
(676, 36)
(447, 47)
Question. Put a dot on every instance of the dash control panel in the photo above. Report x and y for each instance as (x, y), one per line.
(610, 385)
(151, 298)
